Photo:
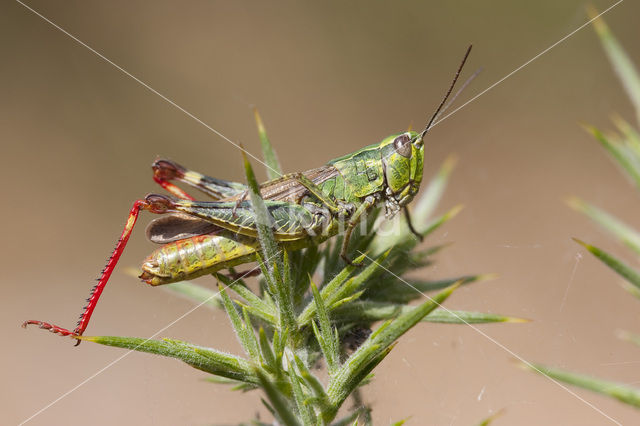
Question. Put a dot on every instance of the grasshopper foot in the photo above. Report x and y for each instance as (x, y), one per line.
(418, 235)
(52, 328)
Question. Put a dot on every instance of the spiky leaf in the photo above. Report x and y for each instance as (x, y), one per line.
(620, 391)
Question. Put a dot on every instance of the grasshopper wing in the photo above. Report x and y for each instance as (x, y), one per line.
(289, 221)
(288, 187)
(178, 226)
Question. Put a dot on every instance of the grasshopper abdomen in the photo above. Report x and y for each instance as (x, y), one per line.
(195, 256)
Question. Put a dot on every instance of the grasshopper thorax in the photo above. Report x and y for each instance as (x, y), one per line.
(402, 159)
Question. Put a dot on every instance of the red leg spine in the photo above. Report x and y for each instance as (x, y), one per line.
(96, 291)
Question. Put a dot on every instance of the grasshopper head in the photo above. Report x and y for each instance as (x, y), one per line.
(403, 156)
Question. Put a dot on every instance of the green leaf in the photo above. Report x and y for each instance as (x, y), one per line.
(205, 359)
(469, 317)
(326, 337)
(368, 311)
(346, 300)
(257, 306)
(337, 281)
(272, 254)
(312, 381)
(620, 391)
(620, 230)
(274, 170)
(279, 342)
(243, 330)
(396, 290)
(195, 293)
(269, 280)
(635, 291)
(427, 204)
(264, 221)
(377, 346)
(425, 286)
(281, 409)
(284, 299)
(251, 336)
(357, 282)
(620, 267)
(235, 384)
(304, 411)
(203, 295)
(629, 337)
(631, 135)
(619, 153)
(303, 263)
(622, 64)
(487, 421)
(330, 290)
(266, 350)
(438, 222)
(351, 418)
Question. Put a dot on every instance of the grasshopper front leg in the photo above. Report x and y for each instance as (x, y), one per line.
(413, 230)
(368, 203)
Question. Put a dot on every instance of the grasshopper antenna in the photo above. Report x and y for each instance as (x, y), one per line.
(453, 98)
(453, 83)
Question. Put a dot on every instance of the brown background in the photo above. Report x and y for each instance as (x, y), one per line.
(78, 137)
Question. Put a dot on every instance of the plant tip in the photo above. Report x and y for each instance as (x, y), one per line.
(449, 163)
(488, 277)
(454, 211)
(518, 320)
(579, 241)
(258, 119)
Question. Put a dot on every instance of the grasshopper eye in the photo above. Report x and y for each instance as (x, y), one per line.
(402, 144)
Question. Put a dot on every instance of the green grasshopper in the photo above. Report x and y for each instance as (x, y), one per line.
(202, 237)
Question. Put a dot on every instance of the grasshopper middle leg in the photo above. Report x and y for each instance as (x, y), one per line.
(354, 219)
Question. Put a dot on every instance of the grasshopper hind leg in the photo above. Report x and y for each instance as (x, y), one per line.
(165, 171)
(149, 204)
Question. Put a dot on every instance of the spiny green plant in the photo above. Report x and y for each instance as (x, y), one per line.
(308, 307)
(624, 148)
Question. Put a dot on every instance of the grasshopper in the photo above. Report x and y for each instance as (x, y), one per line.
(306, 208)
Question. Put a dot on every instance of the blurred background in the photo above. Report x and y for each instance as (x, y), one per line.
(78, 137)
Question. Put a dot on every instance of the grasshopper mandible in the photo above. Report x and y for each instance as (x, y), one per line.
(202, 237)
